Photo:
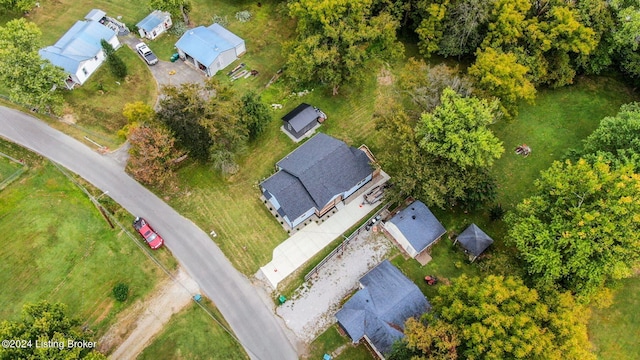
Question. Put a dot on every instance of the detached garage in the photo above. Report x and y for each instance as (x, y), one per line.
(415, 229)
(210, 49)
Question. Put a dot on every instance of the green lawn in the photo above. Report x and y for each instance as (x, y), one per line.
(192, 334)
(558, 121)
(58, 247)
(615, 330)
(331, 340)
(7, 168)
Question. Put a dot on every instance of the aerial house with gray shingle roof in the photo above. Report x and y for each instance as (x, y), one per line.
(378, 311)
(415, 228)
(314, 178)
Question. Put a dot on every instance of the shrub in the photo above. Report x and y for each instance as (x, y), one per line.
(496, 212)
(243, 16)
(121, 292)
(222, 20)
(178, 28)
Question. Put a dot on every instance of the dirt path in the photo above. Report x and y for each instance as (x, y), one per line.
(137, 326)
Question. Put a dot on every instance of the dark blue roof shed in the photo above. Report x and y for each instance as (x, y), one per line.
(301, 119)
(418, 225)
(380, 309)
(475, 240)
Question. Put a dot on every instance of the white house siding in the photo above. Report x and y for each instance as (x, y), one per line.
(114, 42)
(393, 230)
(89, 66)
(240, 49)
(302, 217)
(224, 59)
(357, 186)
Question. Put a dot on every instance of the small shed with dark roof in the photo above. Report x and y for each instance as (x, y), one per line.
(415, 228)
(302, 119)
(474, 240)
(315, 177)
(378, 311)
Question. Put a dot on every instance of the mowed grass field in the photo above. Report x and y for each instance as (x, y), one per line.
(58, 247)
(192, 334)
(558, 121)
(615, 330)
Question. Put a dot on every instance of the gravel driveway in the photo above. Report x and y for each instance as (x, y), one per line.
(312, 309)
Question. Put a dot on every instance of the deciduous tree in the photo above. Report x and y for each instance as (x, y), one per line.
(581, 228)
(137, 113)
(175, 7)
(335, 38)
(433, 179)
(48, 323)
(500, 318)
(457, 131)
(500, 75)
(18, 5)
(424, 84)
(181, 110)
(254, 114)
(31, 80)
(152, 153)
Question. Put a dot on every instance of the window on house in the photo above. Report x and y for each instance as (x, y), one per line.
(84, 71)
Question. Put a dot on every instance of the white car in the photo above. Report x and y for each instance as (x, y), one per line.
(149, 57)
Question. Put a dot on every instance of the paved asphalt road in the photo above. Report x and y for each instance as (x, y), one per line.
(244, 309)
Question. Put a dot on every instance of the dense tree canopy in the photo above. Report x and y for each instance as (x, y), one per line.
(152, 154)
(31, 80)
(434, 179)
(499, 318)
(582, 226)
(17, 5)
(181, 111)
(500, 75)
(457, 131)
(424, 84)
(177, 8)
(335, 38)
(45, 323)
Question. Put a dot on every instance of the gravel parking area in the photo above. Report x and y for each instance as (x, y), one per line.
(312, 309)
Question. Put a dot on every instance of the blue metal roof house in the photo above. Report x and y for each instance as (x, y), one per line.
(210, 49)
(154, 24)
(314, 178)
(79, 51)
(378, 311)
(415, 228)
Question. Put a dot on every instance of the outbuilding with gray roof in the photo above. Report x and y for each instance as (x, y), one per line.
(415, 228)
